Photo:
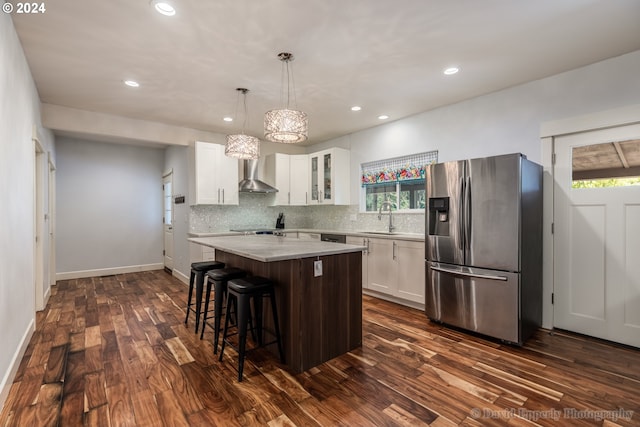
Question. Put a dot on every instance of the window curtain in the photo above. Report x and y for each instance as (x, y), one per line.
(406, 168)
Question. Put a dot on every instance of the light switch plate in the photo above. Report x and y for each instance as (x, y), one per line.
(317, 268)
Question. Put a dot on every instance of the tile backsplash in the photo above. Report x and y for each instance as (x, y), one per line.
(254, 211)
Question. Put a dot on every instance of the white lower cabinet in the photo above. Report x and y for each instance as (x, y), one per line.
(382, 266)
(395, 268)
(353, 240)
(411, 270)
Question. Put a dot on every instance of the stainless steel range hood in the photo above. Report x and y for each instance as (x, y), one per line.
(251, 183)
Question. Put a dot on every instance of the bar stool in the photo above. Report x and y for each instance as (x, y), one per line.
(198, 270)
(243, 290)
(218, 278)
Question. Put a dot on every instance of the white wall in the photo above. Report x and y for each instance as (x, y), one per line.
(109, 200)
(19, 113)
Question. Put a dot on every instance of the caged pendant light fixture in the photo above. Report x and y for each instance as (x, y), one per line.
(242, 146)
(285, 125)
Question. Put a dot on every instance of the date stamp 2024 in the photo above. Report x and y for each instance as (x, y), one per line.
(24, 8)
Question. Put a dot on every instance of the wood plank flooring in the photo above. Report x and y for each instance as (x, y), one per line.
(114, 351)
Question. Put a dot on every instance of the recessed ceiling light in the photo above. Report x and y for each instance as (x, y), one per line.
(356, 108)
(383, 117)
(164, 7)
(132, 83)
(228, 119)
(451, 70)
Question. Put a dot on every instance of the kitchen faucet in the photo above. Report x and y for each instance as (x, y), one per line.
(386, 204)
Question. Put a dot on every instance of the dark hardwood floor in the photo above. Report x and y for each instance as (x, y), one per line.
(114, 351)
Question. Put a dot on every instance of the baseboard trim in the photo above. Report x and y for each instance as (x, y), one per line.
(180, 276)
(108, 271)
(47, 295)
(391, 298)
(7, 381)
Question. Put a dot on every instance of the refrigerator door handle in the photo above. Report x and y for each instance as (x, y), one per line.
(463, 273)
(467, 214)
(461, 227)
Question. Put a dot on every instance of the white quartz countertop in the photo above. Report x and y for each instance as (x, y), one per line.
(267, 248)
(364, 233)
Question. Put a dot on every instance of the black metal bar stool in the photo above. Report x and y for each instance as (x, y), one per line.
(218, 278)
(198, 270)
(243, 290)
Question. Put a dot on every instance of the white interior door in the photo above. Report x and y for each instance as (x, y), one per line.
(167, 219)
(596, 247)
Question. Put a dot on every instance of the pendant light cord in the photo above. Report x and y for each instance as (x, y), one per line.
(245, 122)
(288, 75)
(245, 119)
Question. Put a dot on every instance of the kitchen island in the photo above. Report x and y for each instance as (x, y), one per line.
(319, 304)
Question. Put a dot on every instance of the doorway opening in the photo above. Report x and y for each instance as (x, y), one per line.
(167, 219)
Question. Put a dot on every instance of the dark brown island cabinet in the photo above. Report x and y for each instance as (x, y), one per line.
(318, 291)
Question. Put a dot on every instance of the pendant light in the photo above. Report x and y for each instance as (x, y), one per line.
(242, 146)
(286, 125)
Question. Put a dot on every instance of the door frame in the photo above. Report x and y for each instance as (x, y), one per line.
(548, 132)
(38, 223)
(52, 221)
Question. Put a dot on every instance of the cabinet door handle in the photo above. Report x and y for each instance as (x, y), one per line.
(223, 196)
(218, 195)
(306, 197)
(319, 196)
(289, 198)
(394, 250)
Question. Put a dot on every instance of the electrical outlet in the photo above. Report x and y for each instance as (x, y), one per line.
(317, 268)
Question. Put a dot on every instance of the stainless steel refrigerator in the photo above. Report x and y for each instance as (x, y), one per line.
(484, 246)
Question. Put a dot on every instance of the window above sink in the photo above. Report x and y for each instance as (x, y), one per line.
(400, 181)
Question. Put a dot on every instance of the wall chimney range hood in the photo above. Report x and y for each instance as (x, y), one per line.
(251, 183)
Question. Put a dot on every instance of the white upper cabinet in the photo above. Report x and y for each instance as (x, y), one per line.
(213, 177)
(299, 179)
(329, 177)
(289, 173)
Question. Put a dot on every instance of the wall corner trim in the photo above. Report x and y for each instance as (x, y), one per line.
(181, 276)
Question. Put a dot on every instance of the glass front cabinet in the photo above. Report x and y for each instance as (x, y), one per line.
(329, 177)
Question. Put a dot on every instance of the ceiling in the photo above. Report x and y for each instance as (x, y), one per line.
(386, 56)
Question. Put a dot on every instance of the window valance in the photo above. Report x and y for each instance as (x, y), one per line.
(405, 168)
